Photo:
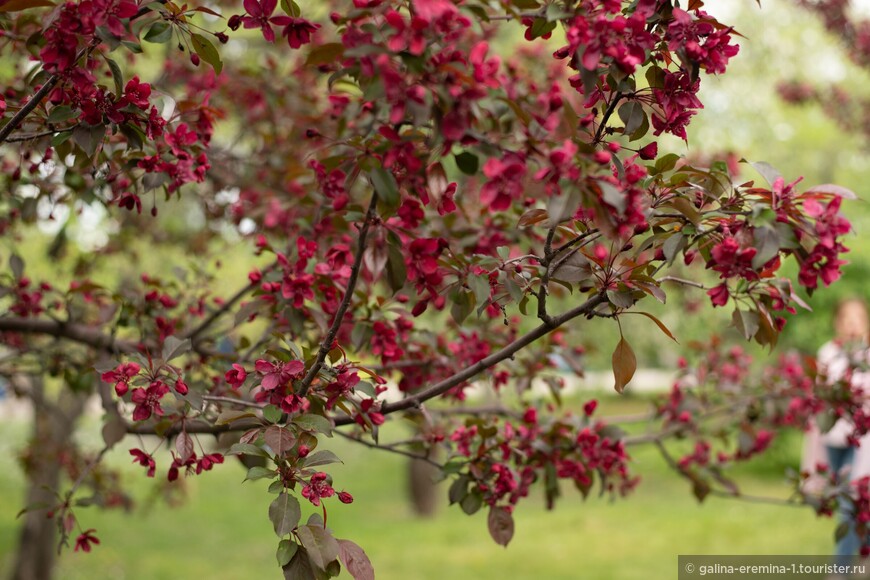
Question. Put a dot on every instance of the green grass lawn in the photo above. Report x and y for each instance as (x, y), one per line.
(222, 530)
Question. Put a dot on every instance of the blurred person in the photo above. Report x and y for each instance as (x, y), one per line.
(849, 348)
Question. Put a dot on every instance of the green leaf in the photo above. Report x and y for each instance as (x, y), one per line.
(299, 567)
(666, 162)
(632, 116)
(291, 8)
(463, 305)
(397, 272)
(458, 489)
(324, 457)
(61, 114)
(326, 53)
(159, 33)
(355, 560)
(285, 513)
(206, 50)
(286, 551)
(471, 502)
(89, 137)
(480, 289)
(655, 77)
(501, 525)
(746, 322)
(117, 76)
(272, 414)
(385, 185)
(247, 449)
(227, 417)
(314, 422)
(174, 347)
(541, 27)
(467, 162)
(767, 244)
(624, 364)
(673, 245)
(562, 207)
(258, 472)
(641, 131)
(321, 546)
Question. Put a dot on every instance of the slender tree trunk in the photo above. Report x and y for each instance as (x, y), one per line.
(422, 488)
(53, 425)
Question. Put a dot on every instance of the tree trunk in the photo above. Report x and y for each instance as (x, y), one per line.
(53, 425)
(422, 487)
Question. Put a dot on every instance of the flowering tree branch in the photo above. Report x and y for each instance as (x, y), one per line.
(329, 339)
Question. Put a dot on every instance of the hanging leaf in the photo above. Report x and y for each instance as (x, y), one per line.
(624, 364)
(16, 264)
(285, 513)
(281, 440)
(467, 162)
(632, 116)
(184, 446)
(117, 76)
(207, 51)
(286, 551)
(114, 431)
(321, 546)
(174, 347)
(324, 457)
(327, 53)
(355, 560)
(501, 525)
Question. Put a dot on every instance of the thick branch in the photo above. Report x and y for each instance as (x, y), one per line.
(70, 331)
(28, 107)
(508, 351)
(326, 345)
(83, 334)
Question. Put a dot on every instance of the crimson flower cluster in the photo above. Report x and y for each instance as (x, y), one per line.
(503, 462)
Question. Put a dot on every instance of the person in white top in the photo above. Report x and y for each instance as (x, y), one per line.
(848, 349)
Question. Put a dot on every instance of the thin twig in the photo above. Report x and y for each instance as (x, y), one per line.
(508, 351)
(32, 136)
(224, 308)
(232, 401)
(607, 114)
(390, 449)
(683, 282)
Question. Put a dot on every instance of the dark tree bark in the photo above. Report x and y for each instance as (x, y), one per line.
(53, 426)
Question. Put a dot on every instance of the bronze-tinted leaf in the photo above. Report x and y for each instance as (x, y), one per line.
(624, 364)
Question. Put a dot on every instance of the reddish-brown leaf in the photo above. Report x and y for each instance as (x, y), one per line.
(624, 364)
